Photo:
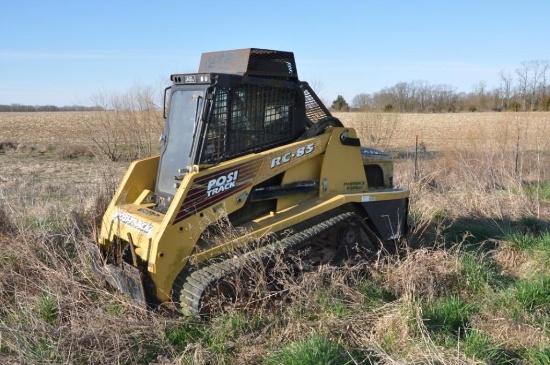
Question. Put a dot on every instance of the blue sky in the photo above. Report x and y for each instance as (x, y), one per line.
(62, 52)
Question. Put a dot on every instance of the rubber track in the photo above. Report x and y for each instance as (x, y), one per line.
(195, 284)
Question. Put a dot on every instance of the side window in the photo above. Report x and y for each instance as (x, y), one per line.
(215, 142)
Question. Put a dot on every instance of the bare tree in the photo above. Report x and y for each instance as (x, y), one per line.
(361, 101)
(540, 69)
(506, 82)
(532, 82)
(537, 70)
(403, 95)
(422, 94)
(523, 83)
(480, 96)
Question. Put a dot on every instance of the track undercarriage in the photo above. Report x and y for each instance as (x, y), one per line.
(251, 278)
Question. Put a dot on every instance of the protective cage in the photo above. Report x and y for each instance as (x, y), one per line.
(249, 118)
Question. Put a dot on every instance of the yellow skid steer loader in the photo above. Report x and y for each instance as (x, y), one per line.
(245, 142)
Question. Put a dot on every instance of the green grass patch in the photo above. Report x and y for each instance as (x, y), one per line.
(44, 223)
(48, 308)
(314, 350)
(523, 242)
(236, 323)
(8, 261)
(331, 303)
(537, 247)
(477, 344)
(534, 225)
(530, 242)
(183, 332)
(305, 312)
(447, 316)
(471, 232)
(538, 356)
(43, 351)
(480, 274)
(4, 350)
(375, 295)
(533, 294)
(115, 309)
(539, 190)
(223, 331)
(526, 300)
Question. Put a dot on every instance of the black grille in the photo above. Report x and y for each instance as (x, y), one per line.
(251, 62)
(263, 62)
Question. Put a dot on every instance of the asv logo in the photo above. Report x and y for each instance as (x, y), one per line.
(133, 222)
(222, 183)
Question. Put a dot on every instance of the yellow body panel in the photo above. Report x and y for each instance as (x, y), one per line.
(342, 166)
(308, 170)
(138, 182)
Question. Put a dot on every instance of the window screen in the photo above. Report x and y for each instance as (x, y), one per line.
(249, 118)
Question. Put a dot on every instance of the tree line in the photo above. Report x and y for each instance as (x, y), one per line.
(527, 88)
(46, 108)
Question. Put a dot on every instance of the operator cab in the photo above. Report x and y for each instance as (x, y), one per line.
(240, 102)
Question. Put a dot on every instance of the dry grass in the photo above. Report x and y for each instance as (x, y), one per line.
(43, 129)
(466, 193)
(439, 132)
(503, 329)
(421, 274)
(442, 132)
(51, 311)
(124, 133)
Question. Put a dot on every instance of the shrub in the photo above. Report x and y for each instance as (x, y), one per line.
(70, 152)
(545, 104)
(7, 145)
(128, 126)
(514, 106)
